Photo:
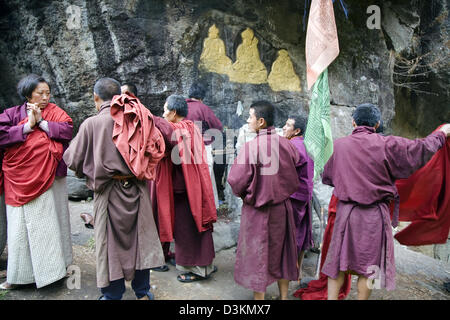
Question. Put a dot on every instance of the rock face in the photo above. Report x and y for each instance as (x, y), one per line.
(76, 187)
(158, 45)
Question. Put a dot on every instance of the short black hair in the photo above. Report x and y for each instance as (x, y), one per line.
(264, 109)
(366, 114)
(107, 88)
(300, 123)
(132, 88)
(26, 85)
(177, 103)
(197, 91)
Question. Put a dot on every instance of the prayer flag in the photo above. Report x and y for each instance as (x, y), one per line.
(318, 138)
(322, 47)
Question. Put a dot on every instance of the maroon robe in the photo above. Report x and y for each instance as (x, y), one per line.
(301, 199)
(266, 250)
(192, 248)
(363, 170)
(200, 112)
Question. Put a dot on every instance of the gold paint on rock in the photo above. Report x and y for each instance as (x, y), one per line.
(213, 57)
(248, 67)
(282, 76)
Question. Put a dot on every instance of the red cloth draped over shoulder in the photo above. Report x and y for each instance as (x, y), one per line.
(139, 142)
(425, 201)
(317, 289)
(29, 168)
(192, 155)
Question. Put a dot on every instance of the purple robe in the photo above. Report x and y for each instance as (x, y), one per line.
(191, 247)
(363, 170)
(301, 199)
(266, 250)
(12, 133)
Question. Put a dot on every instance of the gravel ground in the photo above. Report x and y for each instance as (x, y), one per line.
(419, 277)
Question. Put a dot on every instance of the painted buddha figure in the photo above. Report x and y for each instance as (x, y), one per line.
(213, 57)
(248, 67)
(282, 76)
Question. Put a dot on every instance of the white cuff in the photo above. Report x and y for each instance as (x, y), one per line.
(26, 128)
(44, 126)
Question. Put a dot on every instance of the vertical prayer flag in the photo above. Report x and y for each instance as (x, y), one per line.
(318, 138)
(322, 47)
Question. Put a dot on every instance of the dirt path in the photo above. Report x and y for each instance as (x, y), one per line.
(418, 276)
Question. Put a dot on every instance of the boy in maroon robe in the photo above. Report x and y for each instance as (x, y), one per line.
(363, 170)
(293, 130)
(264, 175)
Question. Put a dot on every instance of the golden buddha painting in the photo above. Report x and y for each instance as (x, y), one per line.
(213, 57)
(282, 76)
(248, 67)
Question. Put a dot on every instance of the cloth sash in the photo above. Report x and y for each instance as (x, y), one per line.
(139, 142)
(29, 168)
(190, 151)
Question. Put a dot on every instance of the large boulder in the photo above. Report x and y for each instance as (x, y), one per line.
(76, 187)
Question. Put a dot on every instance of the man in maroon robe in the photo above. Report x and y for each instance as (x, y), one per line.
(264, 175)
(293, 130)
(363, 170)
(126, 239)
(204, 117)
(185, 200)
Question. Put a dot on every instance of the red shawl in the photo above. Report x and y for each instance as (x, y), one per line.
(425, 201)
(139, 142)
(198, 182)
(29, 168)
(317, 289)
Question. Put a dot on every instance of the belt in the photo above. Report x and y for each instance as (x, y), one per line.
(395, 215)
(117, 177)
(124, 180)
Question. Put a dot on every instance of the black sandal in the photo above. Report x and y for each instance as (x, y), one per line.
(163, 268)
(190, 277)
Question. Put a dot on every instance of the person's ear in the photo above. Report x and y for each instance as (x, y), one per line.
(261, 123)
(377, 125)
(354, 123)
(297, 132)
